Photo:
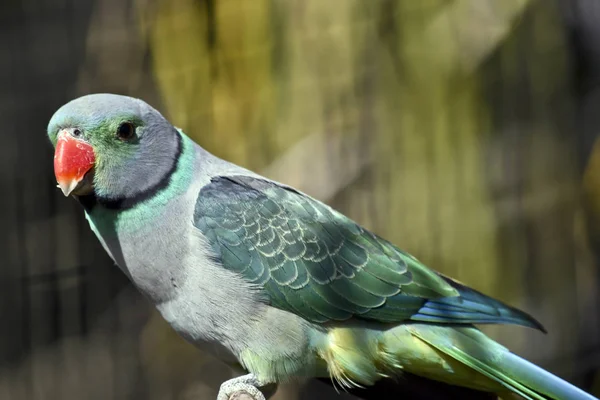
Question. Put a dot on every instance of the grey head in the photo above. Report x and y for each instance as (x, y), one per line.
(115, 148)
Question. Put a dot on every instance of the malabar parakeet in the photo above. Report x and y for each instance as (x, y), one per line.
(267, 278)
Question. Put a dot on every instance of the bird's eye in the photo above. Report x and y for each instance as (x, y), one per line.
(76, 133)
(126, 131)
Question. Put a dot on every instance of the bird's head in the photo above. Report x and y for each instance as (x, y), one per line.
(113, 146)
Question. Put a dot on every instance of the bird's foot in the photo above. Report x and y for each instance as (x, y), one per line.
(246, 383)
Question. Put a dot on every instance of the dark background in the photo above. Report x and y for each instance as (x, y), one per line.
(463, 130)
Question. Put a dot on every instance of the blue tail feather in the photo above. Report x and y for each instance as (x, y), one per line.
(474, 349)
(472, 307)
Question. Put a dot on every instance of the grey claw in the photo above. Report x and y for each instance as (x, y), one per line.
(236, 389)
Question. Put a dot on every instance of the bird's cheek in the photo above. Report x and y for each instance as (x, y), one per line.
(74, 160)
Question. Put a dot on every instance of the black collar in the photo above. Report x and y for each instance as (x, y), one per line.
(121, 203)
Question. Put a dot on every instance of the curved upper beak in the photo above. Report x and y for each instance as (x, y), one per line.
(73, 159)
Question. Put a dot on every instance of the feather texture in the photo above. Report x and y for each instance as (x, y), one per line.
(317, 263)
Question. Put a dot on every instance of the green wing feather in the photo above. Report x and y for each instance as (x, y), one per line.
(319, 264)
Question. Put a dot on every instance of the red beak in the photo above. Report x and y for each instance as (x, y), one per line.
(73, 158)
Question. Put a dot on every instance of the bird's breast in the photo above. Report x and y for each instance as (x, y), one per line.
(151, 254)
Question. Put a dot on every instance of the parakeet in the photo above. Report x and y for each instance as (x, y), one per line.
(268, 278)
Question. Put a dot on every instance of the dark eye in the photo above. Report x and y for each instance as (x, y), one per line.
(76, 132)
(126, 131)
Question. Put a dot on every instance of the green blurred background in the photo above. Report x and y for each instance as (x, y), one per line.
(462, 130)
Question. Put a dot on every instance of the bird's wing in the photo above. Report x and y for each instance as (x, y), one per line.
(313, 261)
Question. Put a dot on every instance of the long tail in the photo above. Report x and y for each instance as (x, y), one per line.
(471, 347)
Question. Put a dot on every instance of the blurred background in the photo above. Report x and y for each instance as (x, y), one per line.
(465, 131)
